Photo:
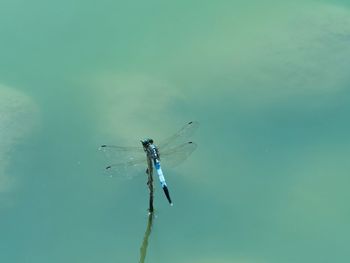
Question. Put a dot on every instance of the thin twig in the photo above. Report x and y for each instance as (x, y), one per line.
(150, 184)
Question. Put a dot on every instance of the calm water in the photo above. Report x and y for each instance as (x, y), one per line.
(269, 84)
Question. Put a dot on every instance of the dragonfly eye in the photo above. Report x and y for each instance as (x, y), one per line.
(145, 142)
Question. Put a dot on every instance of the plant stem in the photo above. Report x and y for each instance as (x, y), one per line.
(150, 184)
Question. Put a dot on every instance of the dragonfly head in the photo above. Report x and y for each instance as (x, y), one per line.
(146, 142)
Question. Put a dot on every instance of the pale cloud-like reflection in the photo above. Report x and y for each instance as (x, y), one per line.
(307, 55)
(300, 53)
(130, 104)
(297, 61)
(18, 117)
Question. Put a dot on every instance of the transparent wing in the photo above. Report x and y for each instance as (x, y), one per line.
(130, 161)
(179, 137)
(128, 169)
(176, 155)
(121, 154)
(124, 162)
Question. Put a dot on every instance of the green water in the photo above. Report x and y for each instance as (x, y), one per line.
(269, 84)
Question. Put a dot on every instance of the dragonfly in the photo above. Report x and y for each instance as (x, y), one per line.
(171, 151)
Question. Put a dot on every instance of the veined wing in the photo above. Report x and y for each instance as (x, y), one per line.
(173, 151)
(122, 154)
(124, 162)
(137, 166)
(176, 155)
(179, 137)
(127, 169)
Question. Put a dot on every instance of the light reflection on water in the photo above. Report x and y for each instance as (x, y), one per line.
(143, 249)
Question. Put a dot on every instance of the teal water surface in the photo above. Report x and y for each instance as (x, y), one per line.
(268, 83)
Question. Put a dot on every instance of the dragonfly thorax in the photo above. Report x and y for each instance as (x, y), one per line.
(150, 149)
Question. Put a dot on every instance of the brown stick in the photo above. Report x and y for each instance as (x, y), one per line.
(150, 184)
